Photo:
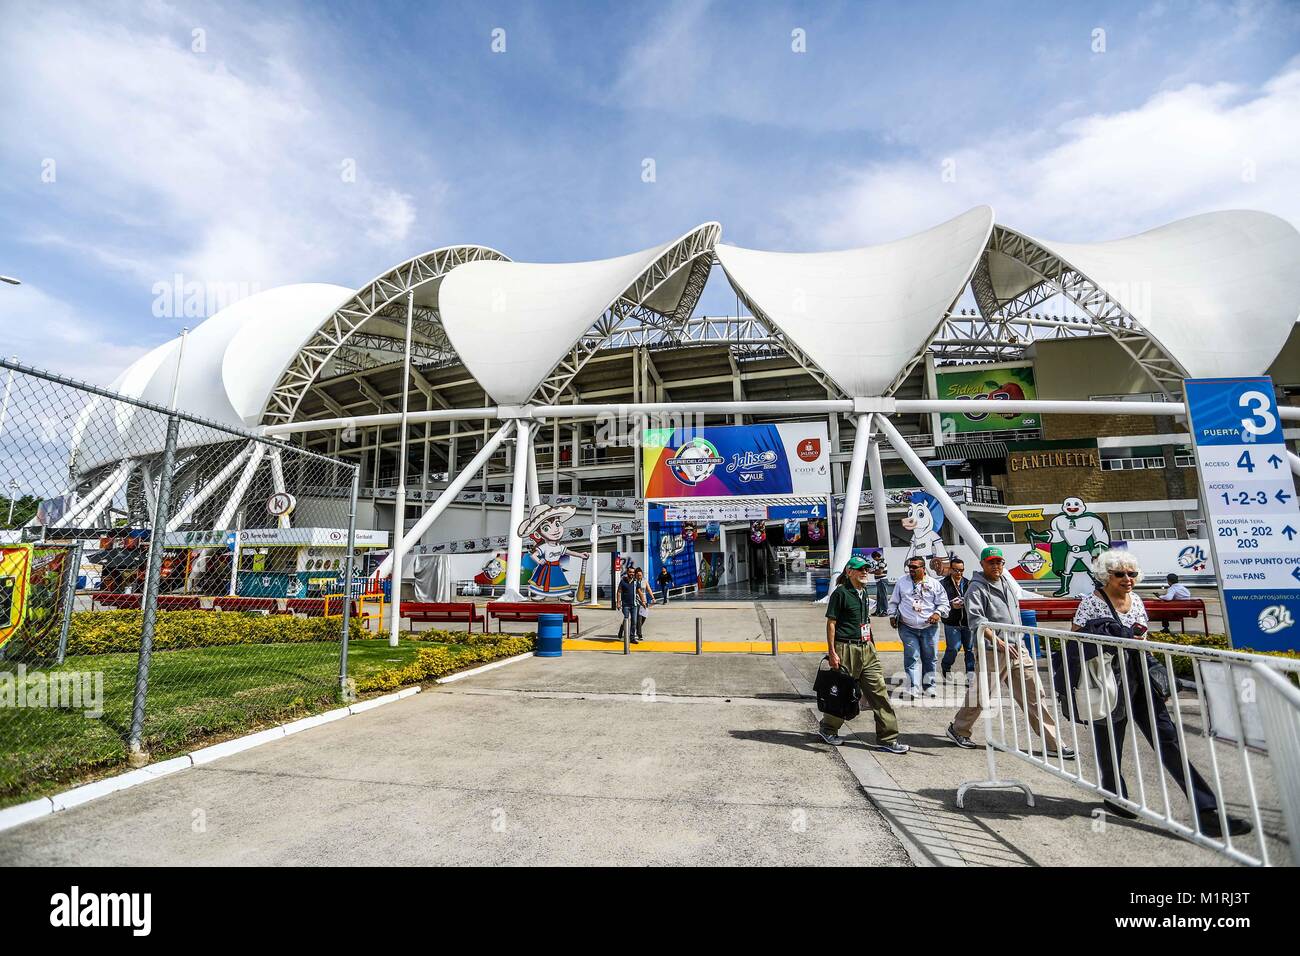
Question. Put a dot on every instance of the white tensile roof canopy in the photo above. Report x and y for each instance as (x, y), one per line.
(863, 314)
(1218, 292)
(512, 322)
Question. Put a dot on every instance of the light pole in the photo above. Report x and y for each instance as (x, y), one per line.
(13, 489)
(11, 280)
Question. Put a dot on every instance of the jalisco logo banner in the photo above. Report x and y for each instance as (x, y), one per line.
(1006, 382)
(736, 460)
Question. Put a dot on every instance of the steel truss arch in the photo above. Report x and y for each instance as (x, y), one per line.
(337, 331)
(693, 251)
(1059, 277)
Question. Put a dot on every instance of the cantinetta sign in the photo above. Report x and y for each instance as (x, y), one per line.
(735, 461)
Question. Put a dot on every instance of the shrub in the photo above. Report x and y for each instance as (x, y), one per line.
(118, 632)
(433, 662)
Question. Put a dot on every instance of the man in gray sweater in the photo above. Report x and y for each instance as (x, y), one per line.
(993, 597)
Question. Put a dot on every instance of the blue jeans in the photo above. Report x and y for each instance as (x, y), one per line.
(922, 640)
(955, 637)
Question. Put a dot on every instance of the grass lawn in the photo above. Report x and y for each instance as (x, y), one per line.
(195, 696)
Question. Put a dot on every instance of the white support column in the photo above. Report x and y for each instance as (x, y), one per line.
(852, 495)
(277, 482)
(534, 491)
(954, 514)
(518, 488)
(448, 496)
(722, 546)
(555, 457)
(595, 554)
(241, 488)
(204, 493)
(1294, 459)
(113, 480)
(879, 502)
(399, 506)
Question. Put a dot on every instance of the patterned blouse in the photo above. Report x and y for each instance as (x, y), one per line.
(1093, 607)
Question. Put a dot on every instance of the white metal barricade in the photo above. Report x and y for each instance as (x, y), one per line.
(1235, 711)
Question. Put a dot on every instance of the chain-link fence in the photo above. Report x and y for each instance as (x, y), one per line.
(163, 580)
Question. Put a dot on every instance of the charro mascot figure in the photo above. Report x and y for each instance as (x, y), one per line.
(545, 526)
(1076, 537)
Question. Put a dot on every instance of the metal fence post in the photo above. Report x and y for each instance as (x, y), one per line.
(773, 620)
(135, 752)
(69, 597)
(699, 636)
(344, 689)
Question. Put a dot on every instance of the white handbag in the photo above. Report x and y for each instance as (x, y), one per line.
(1098, 693)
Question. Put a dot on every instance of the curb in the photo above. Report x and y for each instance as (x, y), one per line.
(452, 678)
(45, 806)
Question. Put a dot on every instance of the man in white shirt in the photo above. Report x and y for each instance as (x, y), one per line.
(1176, 592)
(917, 605)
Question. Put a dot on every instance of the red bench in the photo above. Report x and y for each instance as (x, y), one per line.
(1062, 609)
(121, 602)
(529, 611)
(430, 611)
(269, 605)
(180, 602)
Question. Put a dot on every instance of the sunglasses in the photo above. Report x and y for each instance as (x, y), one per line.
(1125, 574)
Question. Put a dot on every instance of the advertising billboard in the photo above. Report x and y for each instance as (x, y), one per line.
(736, 460)
(1008, 382)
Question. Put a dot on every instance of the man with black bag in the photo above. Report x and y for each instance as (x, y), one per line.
(851, 653)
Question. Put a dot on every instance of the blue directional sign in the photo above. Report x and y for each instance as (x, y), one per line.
(1250, 503)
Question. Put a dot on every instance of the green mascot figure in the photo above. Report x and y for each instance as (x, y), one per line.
(1076, 537)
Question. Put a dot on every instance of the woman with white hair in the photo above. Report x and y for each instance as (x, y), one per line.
(1116, 573)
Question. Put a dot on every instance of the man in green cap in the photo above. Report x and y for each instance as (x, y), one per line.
(994, 598)
(849, 647)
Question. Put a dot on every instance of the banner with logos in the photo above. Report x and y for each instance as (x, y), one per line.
(736, 461)
(1009, 382)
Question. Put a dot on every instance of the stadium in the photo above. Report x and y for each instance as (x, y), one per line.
(1002, 373)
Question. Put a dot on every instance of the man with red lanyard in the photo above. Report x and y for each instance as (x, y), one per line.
(849, 647)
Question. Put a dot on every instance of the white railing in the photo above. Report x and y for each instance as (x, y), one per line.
(1234, 705)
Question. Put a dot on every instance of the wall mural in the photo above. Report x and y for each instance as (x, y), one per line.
(552, 576)
(1074, 538)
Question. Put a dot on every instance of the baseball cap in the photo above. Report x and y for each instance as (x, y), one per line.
(990, 552)
(857, 561)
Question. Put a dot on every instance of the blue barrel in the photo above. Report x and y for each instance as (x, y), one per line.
(821, 587)
(550, 635)
(1030, 619)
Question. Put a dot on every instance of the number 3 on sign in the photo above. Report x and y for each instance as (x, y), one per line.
(1261, 420)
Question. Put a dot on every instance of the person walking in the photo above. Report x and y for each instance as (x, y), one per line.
(665, 581)
(956, 632)
(849, 647)
(628, 599)
(994, 598)
(880, 572)
(1115, 599)
(916, 607)
(647, 598)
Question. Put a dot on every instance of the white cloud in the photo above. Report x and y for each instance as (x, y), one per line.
(1183, 151)
(226, 165)
(43, 330)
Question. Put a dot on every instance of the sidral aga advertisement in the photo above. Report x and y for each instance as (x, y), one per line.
(736, 460)
(1010, 382)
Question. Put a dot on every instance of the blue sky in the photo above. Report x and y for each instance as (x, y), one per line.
(221, 156)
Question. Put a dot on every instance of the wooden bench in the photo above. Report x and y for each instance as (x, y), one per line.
(1062, 609)
(529, 611)
(269, 605)
(430, 611)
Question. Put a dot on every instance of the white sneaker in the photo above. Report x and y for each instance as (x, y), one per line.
(833, 739)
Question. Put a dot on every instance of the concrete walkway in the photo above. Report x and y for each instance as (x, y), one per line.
(599, 758)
